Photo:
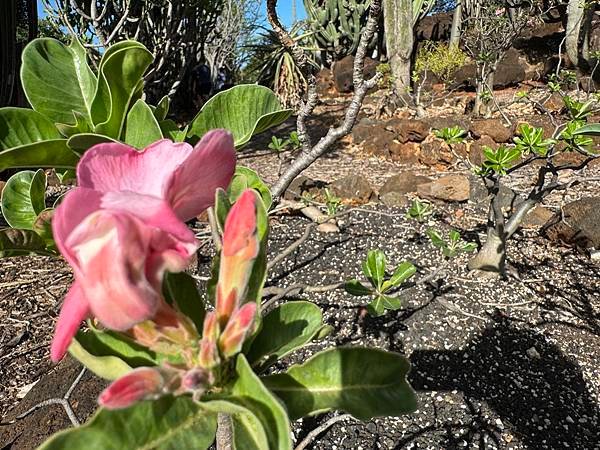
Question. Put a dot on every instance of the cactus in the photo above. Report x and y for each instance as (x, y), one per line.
(337, 24)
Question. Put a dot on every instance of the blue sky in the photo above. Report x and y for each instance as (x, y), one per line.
(284, 9)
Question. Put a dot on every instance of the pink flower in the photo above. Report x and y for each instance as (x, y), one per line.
(123, 227)
(237, 330)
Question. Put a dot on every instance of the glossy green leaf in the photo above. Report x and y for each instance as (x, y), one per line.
(57, 79)
(245, 178)
(355, 287)
(14, 242)
(169, 423)
(284, 329)
(374, 267)
(142, 128)
(162, 109)
(53, 153)
(96, 349)
(402, 273)
(170, 130)
(592, 129)
(119, 83)
(82, 142)
(364, 382)
(248, 432)
(23, 198)
(248, 392)
(20, 126)
(180, 289)
(382, 303)
(245, 110)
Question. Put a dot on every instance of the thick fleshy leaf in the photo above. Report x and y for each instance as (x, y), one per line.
(15, 242)
(165, 424)
(355, 287)
(402, 273)
(20, 126)
(248, 392)
(382, 302)
(170, 130)
(245, 178)
(248, 432)
(364, 382)
(181, 289)
(162, 108)
(592, 129)
(57, 79)
(107, 367)
(105, 343)
(284, 329)
(52, 153)
(374, 267)
(82, 142)
(23, 198)
(244, 110)
(141, 128)
(119, 81)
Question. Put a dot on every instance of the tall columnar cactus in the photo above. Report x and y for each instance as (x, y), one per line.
(337, 24)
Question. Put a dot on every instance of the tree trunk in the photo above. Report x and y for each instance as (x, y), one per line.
(399, 40)
(482, 108)
(456, 24)
(492, 256)
(587, 32)
(575, 13)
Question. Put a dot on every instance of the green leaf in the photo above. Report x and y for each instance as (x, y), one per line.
(20, 126)
(245, 178)
(53, 153)
(378, 306)
(57, 79)
(180, 288)
(285, 329)
(248, 432)
(364, 382)
(248, 392)
(454, 236)
(43, 227)
(436, 238)
(162, 109)
(374, 267)
(23, 198)
(108, 354)
(168, 423)
(402, 273)
(82, 142)
(142, 128)
(170, 130)
(245, 110)
(119, 83)
(355, 287)
(14, 242)
(592, 129)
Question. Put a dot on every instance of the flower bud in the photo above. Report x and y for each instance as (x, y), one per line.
(137, 385)
(237, 330)
(209, 355)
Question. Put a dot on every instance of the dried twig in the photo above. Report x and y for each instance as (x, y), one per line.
(320, 429)
(292, 247)
(296, 289)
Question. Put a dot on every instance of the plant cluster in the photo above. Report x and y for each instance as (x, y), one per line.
(97, 107)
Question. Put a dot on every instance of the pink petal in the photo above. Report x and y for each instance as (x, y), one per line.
(210, 166)
(117, 167)
(111, 249)
(76, 206)
(139, 384)
(75, 309)
(237, 330)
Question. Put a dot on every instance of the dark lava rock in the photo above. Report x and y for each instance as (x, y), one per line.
(343, 70)
(304, 185)
(579, 224)
(393, 192)
(493, 128)
(353, 187)
(451, 188)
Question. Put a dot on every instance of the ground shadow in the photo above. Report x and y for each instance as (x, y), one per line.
(541, 393)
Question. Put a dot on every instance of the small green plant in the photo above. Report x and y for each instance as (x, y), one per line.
(532, 141)
(380, 285)
(499, 161)
(294, 140)
(332, 202)
(277, 144)
(419, 210)
(522, 95)
(387, 79)
(440, 59)
(451, 247)
(486, 96)
(451, 135)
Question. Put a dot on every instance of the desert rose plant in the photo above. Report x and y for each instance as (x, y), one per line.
(181, 367)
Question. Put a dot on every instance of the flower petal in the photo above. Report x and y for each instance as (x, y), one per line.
(237, 329)
(117, 167)
(75, 309)
(210, 166)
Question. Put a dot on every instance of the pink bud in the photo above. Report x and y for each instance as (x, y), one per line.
(196, 380)
(137, 385)
(240, 249)
(209, 355)
(237, 330)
